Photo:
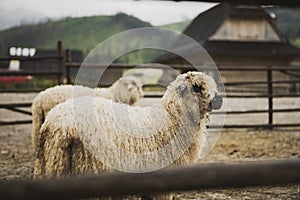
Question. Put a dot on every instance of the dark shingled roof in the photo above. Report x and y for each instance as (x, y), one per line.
(205, 24)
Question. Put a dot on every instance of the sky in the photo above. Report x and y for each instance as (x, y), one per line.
(16, 12)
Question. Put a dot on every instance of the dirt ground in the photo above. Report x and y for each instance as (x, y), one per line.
(233, 146)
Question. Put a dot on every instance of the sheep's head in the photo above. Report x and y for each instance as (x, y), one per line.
(127, 90)
(198, 87)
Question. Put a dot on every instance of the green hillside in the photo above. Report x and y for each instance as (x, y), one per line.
(76, 33)
(179, 26)
(85, 33)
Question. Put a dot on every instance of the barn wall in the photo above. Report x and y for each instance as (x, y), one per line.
(235, 29)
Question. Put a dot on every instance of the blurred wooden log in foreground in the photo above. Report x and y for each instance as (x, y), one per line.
(203, 177)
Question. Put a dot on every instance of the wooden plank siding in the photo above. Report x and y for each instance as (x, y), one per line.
(236, 29)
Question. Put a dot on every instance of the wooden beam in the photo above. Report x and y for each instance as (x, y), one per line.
(255, 111)
(204, 177)
(32, 73)
(181, 67)
(25, 112)
(6, 123)
(21, 104)
(285, 3)
(253, 126)
(30, 58)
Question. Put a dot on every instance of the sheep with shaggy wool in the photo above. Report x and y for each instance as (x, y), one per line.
(75, 139)
(126, 90)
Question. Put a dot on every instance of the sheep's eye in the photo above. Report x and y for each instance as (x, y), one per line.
(133, 83)
(197, 88)
(130, 87)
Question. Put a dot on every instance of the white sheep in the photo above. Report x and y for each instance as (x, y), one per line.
(73, 140)
(126, 90)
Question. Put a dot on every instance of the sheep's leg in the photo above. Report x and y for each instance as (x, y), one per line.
(39, 164)
(82, 162)
(37, 120)
(38, 168)
(57, 160)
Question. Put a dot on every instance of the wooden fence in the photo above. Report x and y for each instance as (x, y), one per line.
(17, 107)
(270, 95)
(214, 176)
(55, 73)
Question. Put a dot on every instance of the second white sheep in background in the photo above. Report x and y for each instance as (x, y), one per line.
(126, 90)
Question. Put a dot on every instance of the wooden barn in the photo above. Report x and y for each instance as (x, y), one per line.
(239, 36)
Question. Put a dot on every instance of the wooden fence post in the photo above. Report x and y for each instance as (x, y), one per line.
(270, 98)
(60, 62)
(68, 68)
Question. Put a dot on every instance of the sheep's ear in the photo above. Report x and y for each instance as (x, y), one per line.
(197, 88)
(182, 90)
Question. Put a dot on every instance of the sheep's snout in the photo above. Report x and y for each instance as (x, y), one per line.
(216, 102)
